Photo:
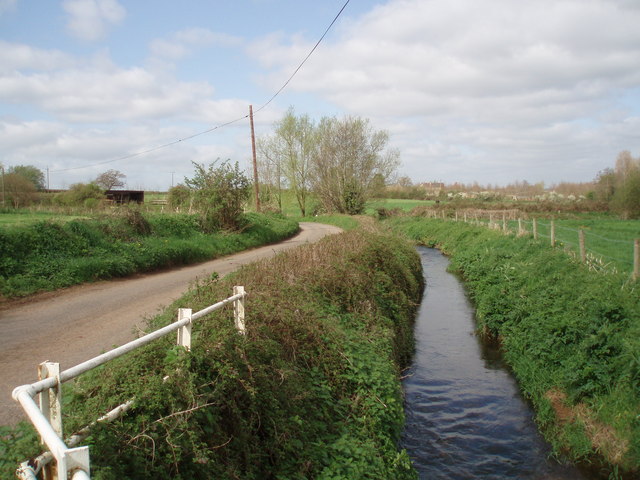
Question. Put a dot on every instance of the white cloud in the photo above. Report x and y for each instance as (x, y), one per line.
(181, 43)
(90, 19)
(16, 57)
(497, 80)
(98, 91)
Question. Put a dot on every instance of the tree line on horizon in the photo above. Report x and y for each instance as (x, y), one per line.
(342, 162)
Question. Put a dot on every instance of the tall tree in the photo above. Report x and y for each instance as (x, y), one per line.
(290, 151)
(18, 190)
(30, 173)
(626, 197)
(348, 162)
(110, 179)
(270, 171)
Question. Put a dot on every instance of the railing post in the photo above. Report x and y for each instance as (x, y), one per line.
(238, 309)
(184, 332)
(51, 408)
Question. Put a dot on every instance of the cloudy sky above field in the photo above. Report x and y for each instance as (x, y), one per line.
(491, 91)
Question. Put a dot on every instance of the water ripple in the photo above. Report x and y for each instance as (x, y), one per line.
(465, 418)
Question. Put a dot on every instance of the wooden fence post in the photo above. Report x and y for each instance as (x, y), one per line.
(535, 229)
(553, 233)
(520, 231)
(583, 250)
(636, 259)
(238, 310)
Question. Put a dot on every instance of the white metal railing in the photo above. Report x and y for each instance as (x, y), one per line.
(47, 418)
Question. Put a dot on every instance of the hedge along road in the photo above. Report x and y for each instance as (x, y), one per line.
(75, 324)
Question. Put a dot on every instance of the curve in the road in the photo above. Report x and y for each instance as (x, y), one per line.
(81, 322)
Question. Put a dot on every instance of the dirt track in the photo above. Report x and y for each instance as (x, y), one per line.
(75, 324)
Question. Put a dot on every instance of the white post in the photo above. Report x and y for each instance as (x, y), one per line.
(238, 310)
(51, 408)
(184, 332)
(50, 398)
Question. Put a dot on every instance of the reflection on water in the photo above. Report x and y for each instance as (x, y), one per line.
(465, 418)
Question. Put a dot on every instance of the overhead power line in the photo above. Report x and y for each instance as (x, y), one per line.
(209, 130)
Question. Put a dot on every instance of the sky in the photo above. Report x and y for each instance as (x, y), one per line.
(491, 91)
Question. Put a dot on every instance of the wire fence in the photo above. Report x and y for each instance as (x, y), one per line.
(597, 250)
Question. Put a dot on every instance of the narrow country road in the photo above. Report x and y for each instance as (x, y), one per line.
(78, 323)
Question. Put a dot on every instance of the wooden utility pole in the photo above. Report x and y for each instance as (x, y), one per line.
(255, 162)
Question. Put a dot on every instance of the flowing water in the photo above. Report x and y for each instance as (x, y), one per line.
(465, 418)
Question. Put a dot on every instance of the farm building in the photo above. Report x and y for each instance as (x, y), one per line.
(125, 196)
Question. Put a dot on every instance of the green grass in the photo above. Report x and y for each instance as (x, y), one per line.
(608, 240)
(46, 255)
(405, 205)
(570, 334)
(311, 391)
(345, 222)
(24, 217)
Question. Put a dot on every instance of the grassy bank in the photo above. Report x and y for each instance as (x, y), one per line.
(571, 336)
(46, 255)
(311, 391)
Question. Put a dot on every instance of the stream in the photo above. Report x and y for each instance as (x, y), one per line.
(465, 417)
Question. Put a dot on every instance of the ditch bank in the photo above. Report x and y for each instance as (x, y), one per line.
(569, 335)
(48, 255)
(311, 391)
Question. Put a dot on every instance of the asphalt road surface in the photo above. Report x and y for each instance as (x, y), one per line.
(75, 324)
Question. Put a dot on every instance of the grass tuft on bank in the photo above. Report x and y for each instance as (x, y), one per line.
(311, 391)
(47, 255)
(571, 335)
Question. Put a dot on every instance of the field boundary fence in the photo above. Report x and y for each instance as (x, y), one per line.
(584, 244)
(65, 459)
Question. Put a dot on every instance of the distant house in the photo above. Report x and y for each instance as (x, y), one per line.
(433, 188)
(125, 196)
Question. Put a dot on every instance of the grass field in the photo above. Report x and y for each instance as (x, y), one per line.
(405, 205)
(24, 217)
(607, 239)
